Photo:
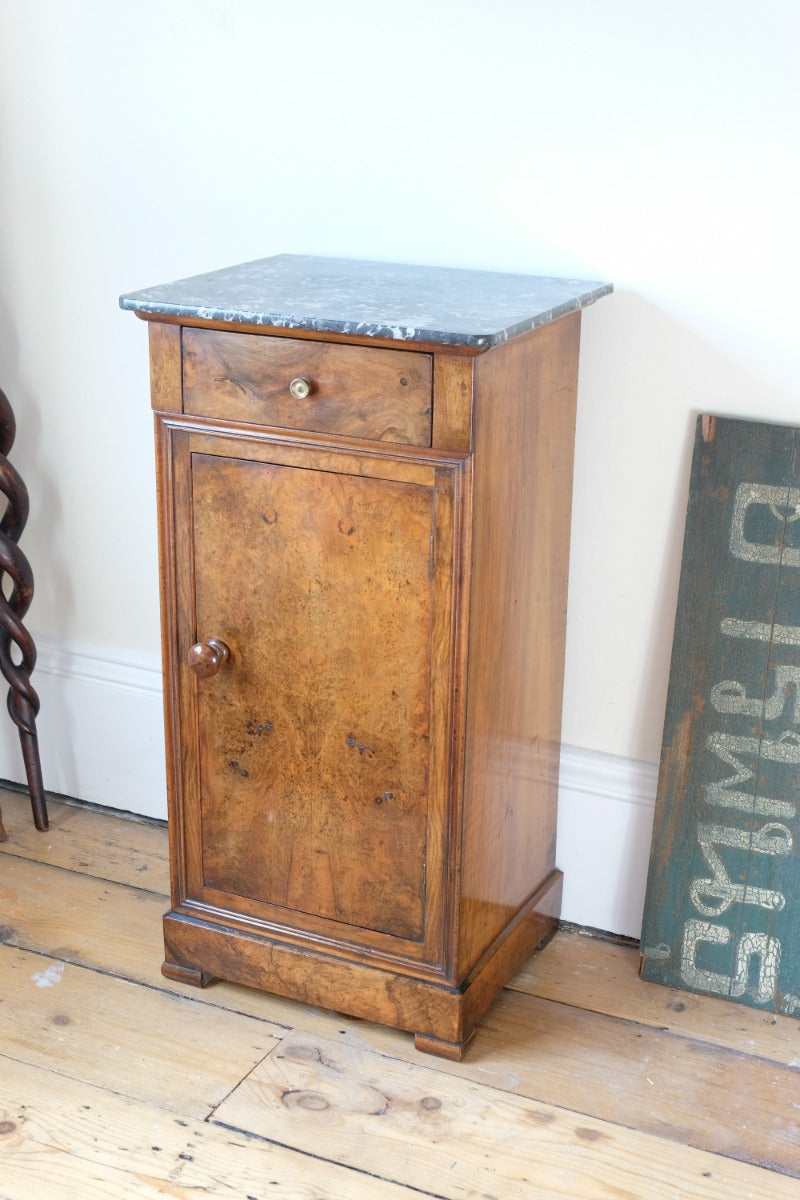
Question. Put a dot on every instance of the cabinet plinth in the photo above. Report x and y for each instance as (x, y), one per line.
(364, 549)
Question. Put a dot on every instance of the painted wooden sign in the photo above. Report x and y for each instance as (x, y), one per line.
(722, 913)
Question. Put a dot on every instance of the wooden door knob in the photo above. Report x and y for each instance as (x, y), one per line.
(206, 658)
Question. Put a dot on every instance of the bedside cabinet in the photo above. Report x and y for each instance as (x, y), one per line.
(364, 477)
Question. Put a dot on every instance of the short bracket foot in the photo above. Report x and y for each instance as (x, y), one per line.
(442, 1049)
(190, 975)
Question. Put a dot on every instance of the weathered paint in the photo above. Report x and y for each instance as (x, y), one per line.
(722, 913)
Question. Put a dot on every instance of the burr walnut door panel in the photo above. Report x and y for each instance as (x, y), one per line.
(319, 782)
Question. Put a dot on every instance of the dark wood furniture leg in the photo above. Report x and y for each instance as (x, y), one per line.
(15, 641)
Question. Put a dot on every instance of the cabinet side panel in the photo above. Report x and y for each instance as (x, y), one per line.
(525, 398)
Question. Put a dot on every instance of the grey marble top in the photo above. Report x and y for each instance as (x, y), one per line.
(440, 305)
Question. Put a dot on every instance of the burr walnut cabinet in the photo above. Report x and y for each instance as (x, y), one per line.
(364, 478)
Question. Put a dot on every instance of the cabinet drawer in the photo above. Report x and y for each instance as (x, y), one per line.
(383, 395)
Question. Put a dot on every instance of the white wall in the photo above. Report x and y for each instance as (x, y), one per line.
(655, 146)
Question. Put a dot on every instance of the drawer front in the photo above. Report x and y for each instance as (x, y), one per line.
(382, 395)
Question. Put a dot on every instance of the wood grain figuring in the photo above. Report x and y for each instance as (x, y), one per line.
(560, 1053)
(656, 1067)
(524, 433)
(382, 395)
(346, 457)
(577, 1089)
(80, 1029)
(366, 780)
(319, 787)
(437, 1014)
(401, 1000)
(315, 797)
(451, 1013)
(452, 402)
(64, 1138)
(586, 973)
(343, 1102)
(532, 926)
(165, 368)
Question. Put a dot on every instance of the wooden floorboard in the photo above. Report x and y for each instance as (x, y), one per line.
(602, 975)
(93, 1027)
(583, 1081)
(59, 1138)
(455, 1137)
(89, 841)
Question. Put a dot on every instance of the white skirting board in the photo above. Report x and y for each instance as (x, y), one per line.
(101, 727)
(101, 737)
(605, 820)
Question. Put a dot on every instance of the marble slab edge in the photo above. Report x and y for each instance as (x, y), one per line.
(447, 306)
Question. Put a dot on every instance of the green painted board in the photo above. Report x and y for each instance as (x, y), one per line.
(722, 911)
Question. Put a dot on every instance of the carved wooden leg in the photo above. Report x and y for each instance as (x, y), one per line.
(23, 702)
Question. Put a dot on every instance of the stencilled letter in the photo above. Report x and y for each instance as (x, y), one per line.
(726, 746)
(731, 697)
(713, 896)
(751, 946)
(775, 499)
(761, 631)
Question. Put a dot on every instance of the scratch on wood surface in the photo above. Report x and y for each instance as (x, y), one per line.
(709, 427)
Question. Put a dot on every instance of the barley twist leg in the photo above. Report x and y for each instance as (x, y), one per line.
(17, 650)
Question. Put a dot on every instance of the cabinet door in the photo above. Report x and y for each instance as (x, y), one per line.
(316, 759)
